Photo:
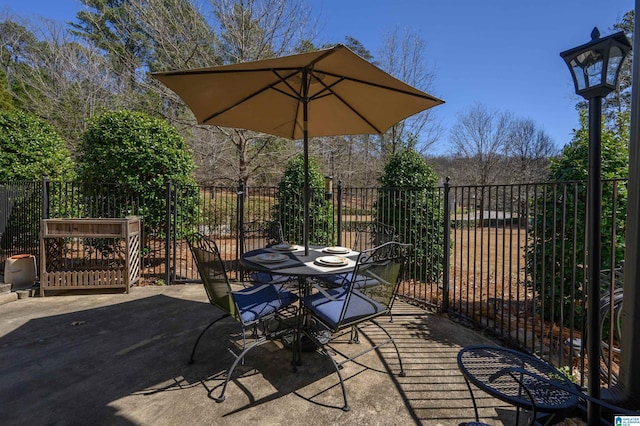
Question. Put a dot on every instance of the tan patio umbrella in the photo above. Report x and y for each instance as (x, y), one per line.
(323, 93)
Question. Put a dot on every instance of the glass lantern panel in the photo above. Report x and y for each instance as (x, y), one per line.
(587, 67)
(578, 72)
(615, 60)
(594, 73)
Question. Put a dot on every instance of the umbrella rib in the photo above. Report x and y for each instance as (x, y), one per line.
(382, 86)
(252, 95)
(222, 111)
(285, 80)
(328, 91)
(357, 113)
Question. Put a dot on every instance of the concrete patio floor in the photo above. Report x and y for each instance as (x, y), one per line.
(121, 359)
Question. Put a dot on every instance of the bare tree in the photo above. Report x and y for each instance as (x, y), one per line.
(257, 29)
(353, 159)
(403, 56)
(61, 79)
(252, 30)
(480, 137)
(358, 160)
(529, 150)
(180, 37)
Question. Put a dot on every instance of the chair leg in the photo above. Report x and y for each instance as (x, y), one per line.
(202, 333)
(337, 367)
(401, 373)
(354, 335)
(235, 364)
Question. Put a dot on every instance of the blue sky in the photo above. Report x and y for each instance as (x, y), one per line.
(502, 53)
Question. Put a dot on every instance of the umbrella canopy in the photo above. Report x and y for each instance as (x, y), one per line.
(323, 93)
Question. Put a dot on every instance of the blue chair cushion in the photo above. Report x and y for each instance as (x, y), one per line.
(329, 310)
(265, 277)
(345, 279)
(261, 300)
(286, 297)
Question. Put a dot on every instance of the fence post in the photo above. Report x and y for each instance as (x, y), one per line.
(240, 220)
(446, 258)
(45, 197)
(339, 212)
(167, 233)
(174, 233)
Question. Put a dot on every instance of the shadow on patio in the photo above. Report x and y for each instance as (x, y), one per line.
(122, 359)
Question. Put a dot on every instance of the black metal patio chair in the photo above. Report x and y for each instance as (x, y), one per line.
(359, 301)
(372, 234)
(255, 307)
(368, 236)
(261, 234)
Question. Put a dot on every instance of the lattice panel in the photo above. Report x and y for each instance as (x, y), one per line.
(134, 258)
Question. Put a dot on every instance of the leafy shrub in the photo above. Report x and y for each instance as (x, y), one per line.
(31, 148)
(556, 265)
(140, 153)
(408, 200)
(289, 207)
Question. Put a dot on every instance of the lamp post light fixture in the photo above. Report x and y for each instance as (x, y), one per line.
(595, 67)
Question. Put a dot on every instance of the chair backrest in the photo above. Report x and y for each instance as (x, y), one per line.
(372, 234)
(212, 271)
(260, 234)
(376, 276)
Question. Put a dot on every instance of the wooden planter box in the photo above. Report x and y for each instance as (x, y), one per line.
(89, 253)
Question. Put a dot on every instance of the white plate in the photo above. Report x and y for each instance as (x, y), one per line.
(336, 250)
(284, 247)
(332, 261)
(271, 257)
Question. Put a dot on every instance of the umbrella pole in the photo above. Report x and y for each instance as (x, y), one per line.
(305, 134)
(305, 234)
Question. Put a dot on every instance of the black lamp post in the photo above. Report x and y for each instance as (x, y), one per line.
(595, 67)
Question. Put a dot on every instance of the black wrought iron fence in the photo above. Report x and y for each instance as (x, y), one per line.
(508, 258)
(20, 212)
(518, 267)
